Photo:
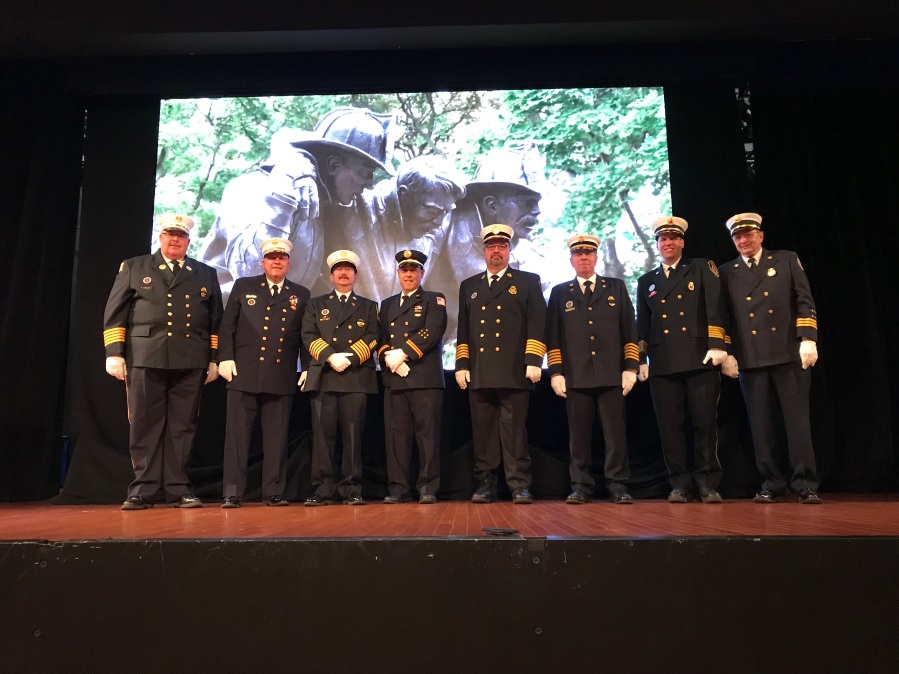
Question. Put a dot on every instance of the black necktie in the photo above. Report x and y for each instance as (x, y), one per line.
(494, 279)
(176, 267)
(274, 291)
(588, 290)
(343, 299)
(403, 298)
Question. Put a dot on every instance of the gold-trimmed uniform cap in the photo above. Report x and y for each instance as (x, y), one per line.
(176, 221)
(410, 258)
(742, 221)
(275, 245)
(669, 224)
(583, 243)
(339, 256)
(497, 233)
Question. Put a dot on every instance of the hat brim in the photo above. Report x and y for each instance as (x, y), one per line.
(669, 230)
(740, 228)
(320, 142)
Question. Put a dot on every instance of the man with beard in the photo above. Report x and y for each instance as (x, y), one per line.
(680, 324)
(593, 360)
(412, 326)
(408, 212)
(774, 331)
(160, 333)
(310, 180)
(340, 330)
(499, 356)
(260, 345)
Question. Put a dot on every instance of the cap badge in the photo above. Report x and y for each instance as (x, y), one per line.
(407, 254)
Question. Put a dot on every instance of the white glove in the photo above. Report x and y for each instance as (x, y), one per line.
(557, 381)
(717, 357)
(394, 358)
(644, 372)
(628, 379)
(212, 373)
(339, 361)
(730, 368)
(533, 373)
(808, 353)
(228, 369)
(462, 378)
(403, 369)
(115, 366)
(301, 382)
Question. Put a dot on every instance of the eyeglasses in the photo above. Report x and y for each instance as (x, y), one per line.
(175, 234)
(497, 246)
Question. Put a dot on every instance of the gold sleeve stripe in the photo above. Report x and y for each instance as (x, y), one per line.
(383, 349)
(113, 336)
(316, 348)
(727, 339)
(213, 341)
(535, 348)
(414, 348)
(361, 349)
(554, 357)
(715, 332)
(372, 344)
(462, 351)
(631, 351)
(807, 323)
(644, 347)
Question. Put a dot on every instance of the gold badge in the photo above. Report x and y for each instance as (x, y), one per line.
(407, 254)
(360, 323)
(611, 301)
(162, 266)
(691, 286)
(713, 268)
(293, 302)
(203, 292)
(772, 271)
(513, 290)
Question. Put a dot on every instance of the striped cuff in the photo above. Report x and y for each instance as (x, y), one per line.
(807, 323)
(535, 347)
(214, 342)
(316, 348)
(113, 335)
(716, 332)
(362, 350)
(631, 351)
(554, 357)
(462, 351)
(414, 348)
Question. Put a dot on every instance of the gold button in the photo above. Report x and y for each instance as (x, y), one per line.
(770, 311)
(283, 329)
(279, 351)
(497, 320)
(589, 308)
(483, 308)
(187, 297)
(407, 323)
(589, 322)
(266, 318)
(334, 339)
(169, 295)
(281, 340)
(753, 332)
(170, 313)
(187, 335)
(261, 357)
(268, 308)
(391, 325)
(482, 320)
(766, 293)
(284, 319)
(773, 329)
(593, 353)
(497, 334)
(264, 338)
(277, 360)
(168, 304)
(751, 315)
(682, 313)
(592, 338)
(665, 331)
(748, 299)
(187, 306)
(350, 341)
(262, 348)
(405, 334)
(680, 297)
(170, 334)
(683, 329)
(481, 349)
(284, 310)
(392, 336)
(664, 315)
(188, 315)
(169, 323)
(497, 348)
(265, 327)
(187, 325)
(482, 334)
(663, 301)
(498, 307)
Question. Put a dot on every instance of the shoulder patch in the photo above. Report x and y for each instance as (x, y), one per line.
(713, 268)
(441, 300)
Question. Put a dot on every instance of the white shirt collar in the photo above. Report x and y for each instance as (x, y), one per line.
(500, 273)
(582, 281)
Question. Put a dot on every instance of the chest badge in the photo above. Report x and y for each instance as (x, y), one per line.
(146, 280)
(293, 302)
(513, 290)
(772, 271)
(473, 295)
(611, 300)
(691, 286)
(251, 302)
(163, 266)
(652, 287)
(325, 312)
(203, 292)
(360, 323)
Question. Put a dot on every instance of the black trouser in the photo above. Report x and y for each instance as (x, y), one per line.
(498, 419)
(786, 386)
(242, 410)
(162, 407)
(330, 412)
(672, 396)
(583, 405)
(412, 414)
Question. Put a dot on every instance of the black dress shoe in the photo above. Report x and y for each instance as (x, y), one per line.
(231, 502)
(486, 491)
(354, 499)
(390, 499)
(710, 496)
(766, 496)
(316, 500)
(188, 501)
(809, 496)
(275, 501)
(522, 497)
(577, 497)
(427, 499)
(136, 503)
(679, 495)
(621, 498)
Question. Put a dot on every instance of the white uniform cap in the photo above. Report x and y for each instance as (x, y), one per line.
(503, 232)
(743, 221)
(276, 246)
(669, 224)
(176, 221)
(586, 242)
(343, 256)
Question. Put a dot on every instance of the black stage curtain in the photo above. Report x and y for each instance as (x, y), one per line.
(40, 132)
(827, 141)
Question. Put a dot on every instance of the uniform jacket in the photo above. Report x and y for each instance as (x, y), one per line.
(681, 317)
(591, 341)
(154, 321)
(501, 329)
(771, 309)
(331, 327)
(262, 335)
(417, 328)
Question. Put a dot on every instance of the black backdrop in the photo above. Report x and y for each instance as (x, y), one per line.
(826, 142)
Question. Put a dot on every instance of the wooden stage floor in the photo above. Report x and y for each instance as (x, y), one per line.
(842, 515)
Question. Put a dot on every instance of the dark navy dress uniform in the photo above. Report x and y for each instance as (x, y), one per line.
(500, 333)
(771, 310)
(261, 333)
(679, 318)
(413, 404)
(339, 398)
(591, 340)
(166, 328)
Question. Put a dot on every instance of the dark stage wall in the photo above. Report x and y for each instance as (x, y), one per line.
(825, 141)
